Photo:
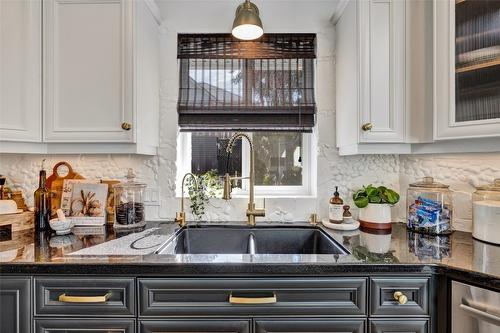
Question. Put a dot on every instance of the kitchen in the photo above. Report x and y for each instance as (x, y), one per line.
(356, 93)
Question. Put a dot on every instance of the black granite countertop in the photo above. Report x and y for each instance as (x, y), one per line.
(105, 251)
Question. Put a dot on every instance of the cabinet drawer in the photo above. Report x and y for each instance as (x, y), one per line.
(307, 326)
(342, 296)
(399, 326)
(383, 302)
(15, 309)
(84, 297)
(195, 325)
(84, 325)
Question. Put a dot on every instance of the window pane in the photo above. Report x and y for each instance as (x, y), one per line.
(208, 152)
(278, 156)
(211, 82)
(278, 160)
(246, 82)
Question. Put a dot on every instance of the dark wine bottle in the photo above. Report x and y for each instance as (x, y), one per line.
(42, 203)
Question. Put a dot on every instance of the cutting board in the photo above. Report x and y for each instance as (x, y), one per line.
(55, 183)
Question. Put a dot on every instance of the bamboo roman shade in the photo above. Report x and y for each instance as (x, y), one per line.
(227, 84)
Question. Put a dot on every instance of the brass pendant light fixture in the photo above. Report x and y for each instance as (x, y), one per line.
(247, 24)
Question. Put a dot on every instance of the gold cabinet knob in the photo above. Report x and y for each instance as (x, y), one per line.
(367, 127)
(126, 126)
(400, 297)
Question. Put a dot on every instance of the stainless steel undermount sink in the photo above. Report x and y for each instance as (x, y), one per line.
(251, 240)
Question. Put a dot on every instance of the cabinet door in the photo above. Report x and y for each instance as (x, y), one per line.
(467, 69)
(15, 313)
(399, 326)
(88, 70)
(84, 325)
(20, 70)
(194, 326)
(309, 326)
(382, 70)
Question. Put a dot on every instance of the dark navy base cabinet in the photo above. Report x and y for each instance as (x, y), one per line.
(104, 304)
(15, 304)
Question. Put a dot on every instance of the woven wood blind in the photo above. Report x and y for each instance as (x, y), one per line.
(227, 84)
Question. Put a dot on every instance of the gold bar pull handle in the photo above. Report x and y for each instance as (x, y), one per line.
(84, 299)
(253, 300)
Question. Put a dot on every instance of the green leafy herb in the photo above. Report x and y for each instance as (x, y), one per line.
(376, 195)
(208, 187)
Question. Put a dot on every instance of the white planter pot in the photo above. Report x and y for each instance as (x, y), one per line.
(375, 216)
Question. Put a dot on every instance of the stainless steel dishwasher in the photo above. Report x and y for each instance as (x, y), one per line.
(474, 310)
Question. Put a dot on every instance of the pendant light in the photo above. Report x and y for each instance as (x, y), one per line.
(247, 24)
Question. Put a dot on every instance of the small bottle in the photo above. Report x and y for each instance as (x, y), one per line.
(347, 214)
(336, 208)
(42, 202)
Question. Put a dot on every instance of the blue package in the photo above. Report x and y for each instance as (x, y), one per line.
(430, 203)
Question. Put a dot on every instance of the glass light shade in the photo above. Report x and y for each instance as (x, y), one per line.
(247, 32)
(247, 24)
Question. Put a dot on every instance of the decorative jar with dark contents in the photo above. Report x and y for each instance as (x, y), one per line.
(129, 203)
(429, 206)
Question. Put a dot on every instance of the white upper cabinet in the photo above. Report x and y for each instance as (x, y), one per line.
(88, 71)
(100, 76)
(384, 99)
(382, 69)
(20, 70)
(467, 69)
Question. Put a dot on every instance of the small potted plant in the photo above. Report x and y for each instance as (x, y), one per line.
(374, 205)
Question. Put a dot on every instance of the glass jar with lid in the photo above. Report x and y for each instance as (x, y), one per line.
(429, 207)
(486, 212)
(129, 203)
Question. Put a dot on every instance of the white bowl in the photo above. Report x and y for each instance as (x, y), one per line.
(8, 207)
(61, 227)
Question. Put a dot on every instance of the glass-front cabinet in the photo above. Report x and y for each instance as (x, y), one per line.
(467, 68)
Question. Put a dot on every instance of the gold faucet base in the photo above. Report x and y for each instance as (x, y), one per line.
(180, 218)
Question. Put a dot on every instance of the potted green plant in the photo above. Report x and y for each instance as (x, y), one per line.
(374, 205)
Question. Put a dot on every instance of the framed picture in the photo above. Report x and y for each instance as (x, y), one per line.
(88, 204)
(67, 192)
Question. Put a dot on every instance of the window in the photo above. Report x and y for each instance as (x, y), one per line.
(282, 160)
(264, 88)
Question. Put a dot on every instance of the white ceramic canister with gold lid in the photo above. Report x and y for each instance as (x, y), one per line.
(486, 212)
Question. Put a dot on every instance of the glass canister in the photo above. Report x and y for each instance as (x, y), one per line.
(486, 212)
(429, 205)
(129, 203)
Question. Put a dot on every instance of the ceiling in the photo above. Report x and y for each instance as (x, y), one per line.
(211, 16)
